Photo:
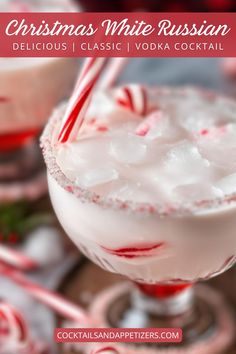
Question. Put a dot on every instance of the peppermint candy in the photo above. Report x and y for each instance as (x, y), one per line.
(132, 97)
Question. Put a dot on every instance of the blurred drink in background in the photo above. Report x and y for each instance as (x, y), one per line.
(30, 88)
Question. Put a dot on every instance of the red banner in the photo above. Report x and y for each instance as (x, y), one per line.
(118, 34)
(116, 335)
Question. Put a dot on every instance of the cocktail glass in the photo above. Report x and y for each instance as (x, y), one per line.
(163, 249)
(29, 90)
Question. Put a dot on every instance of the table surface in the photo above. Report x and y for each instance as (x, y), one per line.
(81, 286)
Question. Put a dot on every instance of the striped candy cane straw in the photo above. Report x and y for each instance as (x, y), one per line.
(132, 97)
(17, 259)
(113, 69)
(79, 101)
(56, 302)
(106, 350)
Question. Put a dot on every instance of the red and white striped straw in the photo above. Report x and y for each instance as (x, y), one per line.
(56, 302)
(80, 99)
(17, 259)
(111, 73)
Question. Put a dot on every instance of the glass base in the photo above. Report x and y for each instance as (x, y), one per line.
(22, 173)
(207, 323)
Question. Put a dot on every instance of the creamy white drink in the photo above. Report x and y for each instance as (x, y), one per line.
(151, 197)
(31, 87)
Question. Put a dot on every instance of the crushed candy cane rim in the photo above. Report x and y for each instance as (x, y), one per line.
(47, 143)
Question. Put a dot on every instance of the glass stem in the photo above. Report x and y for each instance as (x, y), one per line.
(178, 299)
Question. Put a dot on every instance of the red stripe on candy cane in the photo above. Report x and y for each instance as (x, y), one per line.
(79, 102)
(17, 259)
(129, 102)
(45, 296)
(132, 97)
(14, 330)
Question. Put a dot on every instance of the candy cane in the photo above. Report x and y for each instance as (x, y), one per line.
(13, 327)
(112, 71)
(14, 333)
(79, 101)
(45, 296)
(105, 350)
(132, 97)
(17, 259)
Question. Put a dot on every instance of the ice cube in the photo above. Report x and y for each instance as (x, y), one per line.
(155, 126)
(128, 149)
(197, 121)
(156, 122)
(103, 110)
(212, 133)
(220, 148)
(97, 176)
(182, 164)
(195, 192)
(227, 184)
(89, 150)
(226, 109)
(184, 158)
(101, 102)
(68, 160)
(132, 190)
